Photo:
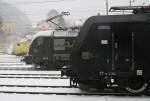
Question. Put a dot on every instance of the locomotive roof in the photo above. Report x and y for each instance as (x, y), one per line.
(60, 33)
(55, 33)
(134, 9)
(119, 18)
(43, 33)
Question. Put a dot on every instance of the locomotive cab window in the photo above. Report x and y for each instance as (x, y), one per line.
(40, 41)
(59, 44)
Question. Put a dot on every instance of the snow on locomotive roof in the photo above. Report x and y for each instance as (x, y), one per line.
(65, 33)
(43, 33)
(55, 33)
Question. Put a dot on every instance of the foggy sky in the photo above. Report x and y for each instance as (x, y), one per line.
(79, 9)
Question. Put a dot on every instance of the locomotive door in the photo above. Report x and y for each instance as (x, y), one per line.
(102, 47)
(124, 51)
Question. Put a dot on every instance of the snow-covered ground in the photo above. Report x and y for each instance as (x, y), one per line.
(30, 97)
(37, 82)
(13, 62)
(28, 72)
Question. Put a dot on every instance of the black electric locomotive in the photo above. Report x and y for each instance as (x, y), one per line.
(113, 51)
(51, 49)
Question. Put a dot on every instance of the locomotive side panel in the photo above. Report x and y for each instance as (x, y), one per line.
(123, 43)
(142, 49)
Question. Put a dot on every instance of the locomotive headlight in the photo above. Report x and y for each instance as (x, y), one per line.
(112, 80)
(45, 58)
(57, 57)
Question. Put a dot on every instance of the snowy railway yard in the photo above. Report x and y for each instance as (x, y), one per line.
(19, 81)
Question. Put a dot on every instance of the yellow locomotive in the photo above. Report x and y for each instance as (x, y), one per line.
(21, 48)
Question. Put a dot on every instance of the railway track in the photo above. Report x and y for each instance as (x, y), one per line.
(58, 90)
(33, 72)
(34, 77)
(48, 89)
(15, 67)
(30, 74)
(51, 93)
(61, 91)
(36, 86)
(11, 62)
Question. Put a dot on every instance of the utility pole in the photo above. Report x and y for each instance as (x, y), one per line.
(107, 7)
(130, 3)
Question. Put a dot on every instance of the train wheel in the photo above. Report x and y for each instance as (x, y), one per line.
(73, 82)
(136, 85)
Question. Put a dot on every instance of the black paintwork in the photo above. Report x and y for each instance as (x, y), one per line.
(42, 51)
(113, 46)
